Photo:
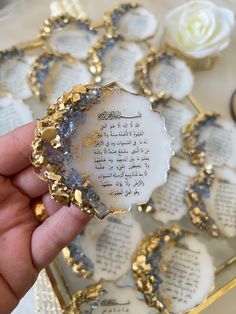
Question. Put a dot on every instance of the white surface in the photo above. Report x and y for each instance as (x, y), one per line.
(122, 173)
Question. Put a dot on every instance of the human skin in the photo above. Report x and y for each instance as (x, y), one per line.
(26, 246)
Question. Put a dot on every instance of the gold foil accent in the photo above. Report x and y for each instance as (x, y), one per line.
(143, 79)
(49, 133)
(141, 264)
(81, 297)
(61, 21)
(78, 197)
(79, 89)
(76, 97)
(190, 135)
(37, 66)
(78, 267)
(194, 198)
(92, 139)
(46, 131)
(120, 9)
(44, 65)
(94, 59)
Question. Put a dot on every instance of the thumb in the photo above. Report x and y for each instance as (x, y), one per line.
(55, 233)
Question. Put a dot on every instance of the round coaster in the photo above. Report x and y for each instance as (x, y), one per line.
(97, 150)
(14, 69)
(211, 200)
(132, 21)
(113, 59)
(114, 299)
(104, 250)
(13, 113)
(162, 76)
(209, 139)
(53, 73)
(68, 34)
(173, 270)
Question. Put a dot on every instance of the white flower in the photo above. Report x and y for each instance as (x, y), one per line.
(199, 28)
(72, 7)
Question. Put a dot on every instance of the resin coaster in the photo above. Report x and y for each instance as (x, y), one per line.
(14, 69)
(13, 113)
(168, 200)
(173, 270)
(102, 149)
(210, 139)
(113, 59)
(116, 300)
(176, 115)
(53, 73)
(212, 201)
(132, 21)
(67, 34)
(104, 249)
(162, 76)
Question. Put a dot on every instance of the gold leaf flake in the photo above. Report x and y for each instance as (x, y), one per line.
(66, 253)
(76, 97)
(49, 133)
(196, 210)
(78, 196)
(79, 89)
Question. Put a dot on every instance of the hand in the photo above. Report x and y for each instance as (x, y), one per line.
(25, 245)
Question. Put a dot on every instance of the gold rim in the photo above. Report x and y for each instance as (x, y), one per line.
(94, 60)
(197, 187)
(40, 69)
(81, 297)
(59, 22)
(191, 134)
(108, 18)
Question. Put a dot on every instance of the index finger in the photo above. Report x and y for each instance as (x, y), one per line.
(15, 150)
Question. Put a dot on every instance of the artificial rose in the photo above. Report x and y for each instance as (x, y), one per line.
(199, 28)
(72, 7)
